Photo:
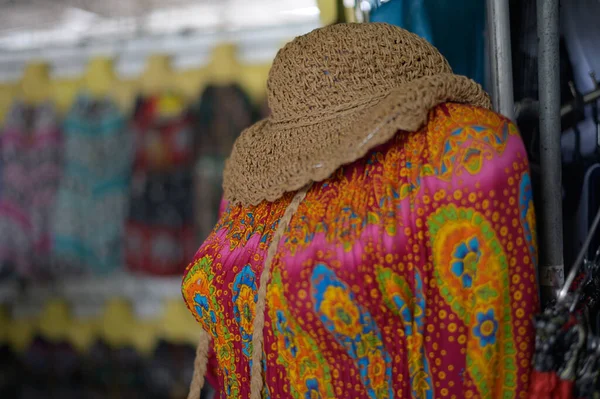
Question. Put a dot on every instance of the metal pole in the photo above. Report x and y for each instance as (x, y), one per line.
(498, 17)
(552, 270)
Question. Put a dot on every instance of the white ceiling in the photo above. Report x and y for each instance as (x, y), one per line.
(29, 24)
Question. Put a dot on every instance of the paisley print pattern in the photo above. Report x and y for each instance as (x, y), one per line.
(398, 296)
(308, 371)
(210, 314)
(354, 329)
(244, 295)
(407, 274)
(527, 214)
(472, 284)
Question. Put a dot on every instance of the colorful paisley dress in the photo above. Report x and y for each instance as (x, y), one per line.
(407, 274)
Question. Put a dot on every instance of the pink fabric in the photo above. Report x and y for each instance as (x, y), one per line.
(409, 273)
(31, 146)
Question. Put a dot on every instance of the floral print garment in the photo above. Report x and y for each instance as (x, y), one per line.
(409, 273)
(31, 146)
(89, 215)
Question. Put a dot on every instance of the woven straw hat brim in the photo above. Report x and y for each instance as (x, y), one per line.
(271, 158)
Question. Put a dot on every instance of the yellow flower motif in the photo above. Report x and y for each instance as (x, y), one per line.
(203, 283)
(376, 370)
(339, 308)
(246, 305)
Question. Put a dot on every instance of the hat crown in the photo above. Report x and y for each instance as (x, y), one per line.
(340, 65)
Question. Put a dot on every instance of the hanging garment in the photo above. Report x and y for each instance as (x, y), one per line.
(160, 229)
(455, 28)
(31, 146)
(163, 142)
(567, 356)
(222, 114)
(92, 202)
(567, 344)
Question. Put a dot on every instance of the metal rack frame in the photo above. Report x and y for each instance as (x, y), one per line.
(551, 269)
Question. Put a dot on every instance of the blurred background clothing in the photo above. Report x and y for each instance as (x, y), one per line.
(116, 119)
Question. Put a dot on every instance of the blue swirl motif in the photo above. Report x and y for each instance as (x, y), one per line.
(486, 328)
(411, 310)
(525, 206)
(366, 346)
(423, 375)
(243, 306)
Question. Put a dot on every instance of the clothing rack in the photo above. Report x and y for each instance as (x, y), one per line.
(189, 50)
(501, 78)
(551, 270)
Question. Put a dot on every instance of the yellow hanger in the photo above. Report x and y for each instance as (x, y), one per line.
(178, 324)
(21, 332)
(118, 323)
(158, 75)
(327, 10)
(250, 77)
(159, 79)
(223, 66)
(55, 321)
(99, 78)
(8, 92)
(83, 333)
(35, 86)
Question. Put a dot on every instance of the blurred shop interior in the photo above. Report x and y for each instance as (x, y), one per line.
(116, 117)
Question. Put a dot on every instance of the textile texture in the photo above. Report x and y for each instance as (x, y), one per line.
(335, 94)
(91, 207)
(31, 147)
(160, 234)
(222, 113)
(408, 273)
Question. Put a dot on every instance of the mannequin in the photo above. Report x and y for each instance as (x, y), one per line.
(374, 227)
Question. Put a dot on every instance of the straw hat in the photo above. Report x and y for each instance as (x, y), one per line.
(335, 93)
